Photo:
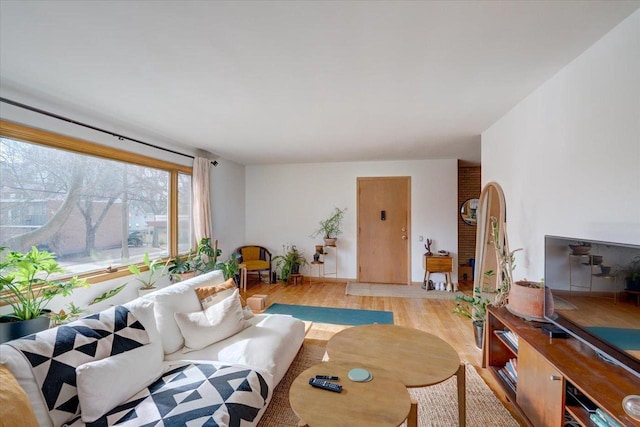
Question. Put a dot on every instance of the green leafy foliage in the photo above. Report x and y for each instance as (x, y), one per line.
(472, 307)
(287, 263)
(25, 282)
(230, 268)
(110, 293)
(156, 271)
(204, 259)
(332, 226)
(72, 313)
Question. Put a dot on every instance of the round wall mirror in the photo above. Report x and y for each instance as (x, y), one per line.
(469, 211)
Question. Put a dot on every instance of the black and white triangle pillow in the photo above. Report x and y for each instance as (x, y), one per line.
(55, 354)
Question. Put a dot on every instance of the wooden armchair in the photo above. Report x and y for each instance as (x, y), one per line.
(256, 259)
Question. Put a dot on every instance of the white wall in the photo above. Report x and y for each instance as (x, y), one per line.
(568, 155)
(284, 204)
(228, 205)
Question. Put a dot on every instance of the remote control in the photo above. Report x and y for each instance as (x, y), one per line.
(325, 385)
(327, 377)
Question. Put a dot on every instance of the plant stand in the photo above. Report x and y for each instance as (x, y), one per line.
(296, 279)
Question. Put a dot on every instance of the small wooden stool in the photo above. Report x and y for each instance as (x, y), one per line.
(296, 279)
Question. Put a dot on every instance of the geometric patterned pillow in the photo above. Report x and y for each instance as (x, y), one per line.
(54, 354)
(196, 393)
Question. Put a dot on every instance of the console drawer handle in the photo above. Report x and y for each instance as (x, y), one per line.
(555, 378)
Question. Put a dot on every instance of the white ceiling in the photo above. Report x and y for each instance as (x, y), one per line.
(279, 82)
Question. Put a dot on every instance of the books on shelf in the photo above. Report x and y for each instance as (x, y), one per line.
(512, 370)
(602, 419)
(506, 378)
(510, 338)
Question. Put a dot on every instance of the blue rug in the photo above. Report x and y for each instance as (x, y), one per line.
(337, 316)
(624, 339)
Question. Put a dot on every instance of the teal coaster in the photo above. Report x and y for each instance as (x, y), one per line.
(360, 375)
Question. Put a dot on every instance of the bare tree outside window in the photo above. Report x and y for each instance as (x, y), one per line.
(92, 212)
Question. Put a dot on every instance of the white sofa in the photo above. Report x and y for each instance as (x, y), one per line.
(243, 368)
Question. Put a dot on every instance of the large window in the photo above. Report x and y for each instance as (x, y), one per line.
(92, 208)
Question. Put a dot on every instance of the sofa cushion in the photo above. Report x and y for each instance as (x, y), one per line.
(176, 298)
(270, 345)
(15, 409)
(105, 383)
(213, 294)
(214, 324)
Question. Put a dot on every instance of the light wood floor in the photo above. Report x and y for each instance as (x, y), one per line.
(429, 315)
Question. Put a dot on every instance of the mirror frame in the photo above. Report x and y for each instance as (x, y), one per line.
(468, 213)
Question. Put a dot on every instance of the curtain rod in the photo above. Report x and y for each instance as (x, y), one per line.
(75, 122)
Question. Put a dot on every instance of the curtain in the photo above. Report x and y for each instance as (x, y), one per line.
(201, 198)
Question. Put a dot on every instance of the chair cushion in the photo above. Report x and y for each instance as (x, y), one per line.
(250, 253)
(256, 265)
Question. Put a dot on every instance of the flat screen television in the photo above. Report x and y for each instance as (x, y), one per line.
(595, 299)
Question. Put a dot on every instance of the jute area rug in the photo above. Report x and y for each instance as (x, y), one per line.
(437, 405)
(398, 291)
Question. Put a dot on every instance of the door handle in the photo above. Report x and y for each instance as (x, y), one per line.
(404, 237)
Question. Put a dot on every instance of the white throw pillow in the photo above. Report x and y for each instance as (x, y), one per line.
(248, 314)
(216, 323)
(143, 310)
(104, 384)
(181, 298)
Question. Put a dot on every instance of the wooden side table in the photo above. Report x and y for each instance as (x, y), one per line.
(415, 357)
(438, 264)
(381, 402)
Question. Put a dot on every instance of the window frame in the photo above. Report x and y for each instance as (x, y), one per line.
(46, 138)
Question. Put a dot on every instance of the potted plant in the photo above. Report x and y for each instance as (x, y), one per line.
(631, 274)
(474, 308)
(26, 286)
(290, 262)
(156, 272)
(203, 260)
(331, 227)
(182, 269)
(230, 268)
(506, 263)
(580, 248)
(527, 300)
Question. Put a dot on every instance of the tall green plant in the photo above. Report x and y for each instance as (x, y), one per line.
(331, 227)
(25, 282)
(506, 263)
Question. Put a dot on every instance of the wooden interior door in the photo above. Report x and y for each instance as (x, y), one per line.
(384, 230)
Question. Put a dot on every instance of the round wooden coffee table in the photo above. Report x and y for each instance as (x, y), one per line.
(416, 358)
(383, 401)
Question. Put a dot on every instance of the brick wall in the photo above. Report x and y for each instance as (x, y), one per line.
(468, 188)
